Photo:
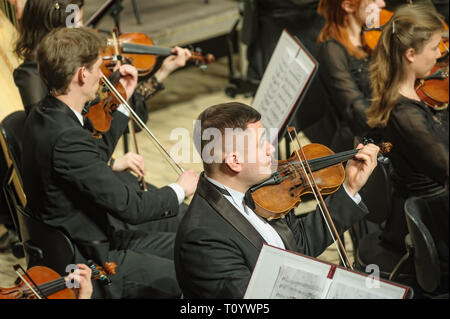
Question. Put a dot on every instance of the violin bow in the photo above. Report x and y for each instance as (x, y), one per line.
(141, 179)
(38, 296)
(319, 199)
(141, 124)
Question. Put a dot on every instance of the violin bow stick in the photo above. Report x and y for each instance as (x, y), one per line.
(16, 269)
(319, 199)
(141, 124)
(133, 131)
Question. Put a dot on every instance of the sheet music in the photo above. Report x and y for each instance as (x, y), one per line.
(284, 80)
(348, 285)
(294, 283)
(339, 290)
(281, 274)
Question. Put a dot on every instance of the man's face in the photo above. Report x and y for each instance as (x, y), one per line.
(257, 157)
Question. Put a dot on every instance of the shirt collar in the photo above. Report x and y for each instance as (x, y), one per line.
(237, 197)
(78, 115)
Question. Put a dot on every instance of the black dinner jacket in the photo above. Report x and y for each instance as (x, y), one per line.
(69, 184)
(216, 248)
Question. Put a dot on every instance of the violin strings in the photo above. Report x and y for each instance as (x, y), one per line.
(48, 288)
(320, 206)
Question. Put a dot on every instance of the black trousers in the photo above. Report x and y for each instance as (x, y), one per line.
(144, 257)
(145, 267)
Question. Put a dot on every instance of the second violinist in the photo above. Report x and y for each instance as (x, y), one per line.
(41, 17)
(76, 190)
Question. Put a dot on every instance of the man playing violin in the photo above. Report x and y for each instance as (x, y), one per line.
(219, 238)
(75, 189)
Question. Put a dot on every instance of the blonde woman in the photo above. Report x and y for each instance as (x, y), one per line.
(407, 50)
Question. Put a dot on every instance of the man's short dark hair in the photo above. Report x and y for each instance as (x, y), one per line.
(63, 51)
(221, 116)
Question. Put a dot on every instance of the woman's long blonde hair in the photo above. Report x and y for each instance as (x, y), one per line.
(336, 22)
(410, 27)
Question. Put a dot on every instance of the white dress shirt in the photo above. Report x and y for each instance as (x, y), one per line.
(260, 224)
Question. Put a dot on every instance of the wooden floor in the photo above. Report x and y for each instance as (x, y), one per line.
(172, 22)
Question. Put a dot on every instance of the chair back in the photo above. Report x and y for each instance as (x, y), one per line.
(11, 144)
(13, 195)
(426, 260)
(11, 129)
(44, 245)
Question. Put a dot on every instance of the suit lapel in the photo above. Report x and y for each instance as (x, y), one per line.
(285, 233)
(222, 206)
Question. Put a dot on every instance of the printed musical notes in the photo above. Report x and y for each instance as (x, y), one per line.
(284, 82)
(294, 283)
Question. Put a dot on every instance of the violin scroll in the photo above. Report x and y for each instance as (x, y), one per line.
(103, 273)
(385, 148)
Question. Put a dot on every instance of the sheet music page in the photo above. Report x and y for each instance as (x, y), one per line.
(349, 285)
(284, 80)
(295, 283)
(277, 269)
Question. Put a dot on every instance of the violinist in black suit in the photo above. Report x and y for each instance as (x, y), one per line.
(220, 236)
(70, 185)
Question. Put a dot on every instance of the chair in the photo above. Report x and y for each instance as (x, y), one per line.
(14, 195)
(54, 249)
(11, 129)
(427, 265)
(11, 144)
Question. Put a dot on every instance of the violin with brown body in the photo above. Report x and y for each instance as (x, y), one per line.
(139, 50)
(370, 36)
(312, 169)
(433, 90)
(275, 197)
(41, 282)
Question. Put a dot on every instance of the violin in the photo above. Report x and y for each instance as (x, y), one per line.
(370, 36)
(276, 196)
(433, 90)
(312, 169)
(101, 108)
(41, 282)
(139, 50)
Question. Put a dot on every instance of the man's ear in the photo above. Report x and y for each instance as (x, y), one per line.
(410, 54)
(81, 75)
(348, 6)
(233, 162)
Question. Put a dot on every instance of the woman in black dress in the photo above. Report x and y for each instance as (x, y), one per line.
(407, 50)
